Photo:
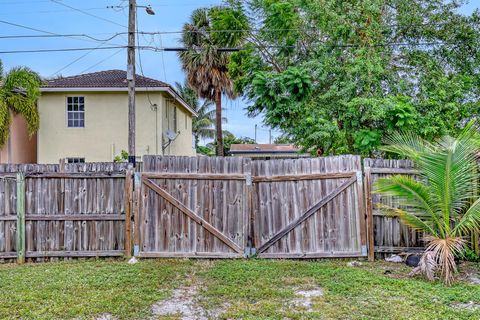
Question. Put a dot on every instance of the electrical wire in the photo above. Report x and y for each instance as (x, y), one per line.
(60, 50)
(88, 14)
(53, 34)
(100, 62)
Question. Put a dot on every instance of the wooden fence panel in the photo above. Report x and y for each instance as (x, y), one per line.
(193, 207)
(71, 210)
(309, 208)
(389, 234)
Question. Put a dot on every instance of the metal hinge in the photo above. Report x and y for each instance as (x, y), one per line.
(364, 250)
(359, 176)
(248, 179)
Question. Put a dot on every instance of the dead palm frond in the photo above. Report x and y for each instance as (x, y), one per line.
(444, 203)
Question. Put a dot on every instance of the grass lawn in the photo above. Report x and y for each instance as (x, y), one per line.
(254, 289)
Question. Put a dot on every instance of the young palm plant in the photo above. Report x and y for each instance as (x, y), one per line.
(443, 203)
(19, 91)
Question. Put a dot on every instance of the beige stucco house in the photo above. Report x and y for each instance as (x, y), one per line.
(85, 118)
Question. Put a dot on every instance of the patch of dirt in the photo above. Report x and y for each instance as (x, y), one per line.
(304, 298)
(105, 316)
(472, 306)
(183, 304)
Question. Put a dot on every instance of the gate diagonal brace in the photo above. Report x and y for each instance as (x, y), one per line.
(308, 213)
(202, 222)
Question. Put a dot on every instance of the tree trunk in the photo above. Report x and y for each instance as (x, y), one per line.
(218, 122)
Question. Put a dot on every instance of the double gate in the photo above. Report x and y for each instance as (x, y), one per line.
(233, 207)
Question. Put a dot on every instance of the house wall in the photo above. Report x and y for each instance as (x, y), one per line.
(20, 147)
(105, 133)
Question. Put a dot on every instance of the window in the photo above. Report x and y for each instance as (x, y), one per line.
(186, 122)
(75, 112)
(75, 160)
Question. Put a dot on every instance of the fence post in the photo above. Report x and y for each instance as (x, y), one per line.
(250, 250)
(137, 187)
(20, 230)
(128, 211)
(370, 235)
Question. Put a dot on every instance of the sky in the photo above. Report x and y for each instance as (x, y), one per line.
(93, 17)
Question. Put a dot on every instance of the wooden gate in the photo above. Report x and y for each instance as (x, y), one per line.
(309, 208)
(223, 207)
(192, 207)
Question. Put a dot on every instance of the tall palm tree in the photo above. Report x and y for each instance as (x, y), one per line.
(19, 91)
(444, 203)
(205, 66)
(203, 123)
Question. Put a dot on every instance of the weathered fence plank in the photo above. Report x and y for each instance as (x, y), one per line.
(20, 227)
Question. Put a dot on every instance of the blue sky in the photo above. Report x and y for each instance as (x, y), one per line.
(46, 15)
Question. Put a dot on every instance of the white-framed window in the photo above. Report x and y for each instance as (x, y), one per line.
(75, 160)
(75, 112)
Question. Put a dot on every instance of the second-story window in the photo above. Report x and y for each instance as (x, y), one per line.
(75, 112)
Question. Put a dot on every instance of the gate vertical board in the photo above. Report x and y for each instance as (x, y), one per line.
(389, 234)
(193, 207)
(309, 208)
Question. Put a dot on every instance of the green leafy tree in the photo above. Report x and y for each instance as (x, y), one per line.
(203, 125)
(230, 138)
(444, 203)
(19, 92)
(207, 67)
(337, 76)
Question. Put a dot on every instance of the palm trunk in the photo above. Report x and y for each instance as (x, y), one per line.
(218, 122)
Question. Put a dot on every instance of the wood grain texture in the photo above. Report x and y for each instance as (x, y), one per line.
(308, 217)
(78, 209)
(389, 234)
(193, 206)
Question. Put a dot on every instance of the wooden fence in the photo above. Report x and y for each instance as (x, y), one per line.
(67, 210)
(201, 207)
(386, 233)
(224, 207)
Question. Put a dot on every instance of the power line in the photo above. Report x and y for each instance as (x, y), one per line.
(88, 13)
(52, 34)
(60, 50)
(235, 49)
(101, 61)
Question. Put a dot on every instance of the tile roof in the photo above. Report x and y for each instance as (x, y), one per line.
(102, 79)
(263, 148)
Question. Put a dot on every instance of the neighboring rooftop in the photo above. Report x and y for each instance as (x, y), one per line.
(102, 79)
(263, 148)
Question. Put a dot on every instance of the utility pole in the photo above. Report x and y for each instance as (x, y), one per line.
(255, 133)
(132, 8)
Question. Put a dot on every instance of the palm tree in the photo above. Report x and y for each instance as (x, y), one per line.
(203, 123)
(205, 66)
(443, 203)
(19, 91)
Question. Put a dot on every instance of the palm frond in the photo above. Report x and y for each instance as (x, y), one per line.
(469, 221)
(415, 196)
(444, 251)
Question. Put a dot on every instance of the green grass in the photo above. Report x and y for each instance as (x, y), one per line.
(255, 289)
